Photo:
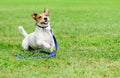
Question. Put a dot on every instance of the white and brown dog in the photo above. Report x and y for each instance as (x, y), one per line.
(41, 38)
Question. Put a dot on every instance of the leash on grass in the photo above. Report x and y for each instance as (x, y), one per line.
(49, 54)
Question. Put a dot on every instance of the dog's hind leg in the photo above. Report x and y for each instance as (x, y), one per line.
(25, 44)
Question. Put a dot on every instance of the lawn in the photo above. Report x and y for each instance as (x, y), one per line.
(87, 31)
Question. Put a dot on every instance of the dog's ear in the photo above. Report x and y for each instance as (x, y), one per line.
(46, 12)
(34, 15)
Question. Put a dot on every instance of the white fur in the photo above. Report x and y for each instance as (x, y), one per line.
(40, 39)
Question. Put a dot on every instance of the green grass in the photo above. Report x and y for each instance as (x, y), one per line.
(88, 34)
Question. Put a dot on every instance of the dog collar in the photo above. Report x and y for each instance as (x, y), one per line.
(41, 26)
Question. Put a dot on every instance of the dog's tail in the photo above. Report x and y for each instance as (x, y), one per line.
(22, 31)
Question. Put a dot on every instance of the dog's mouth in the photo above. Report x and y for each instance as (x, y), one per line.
(45, 22)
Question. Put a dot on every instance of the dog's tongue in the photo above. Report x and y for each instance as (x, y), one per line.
(46, 22)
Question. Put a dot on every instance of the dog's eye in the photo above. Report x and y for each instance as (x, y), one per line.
(39, 17)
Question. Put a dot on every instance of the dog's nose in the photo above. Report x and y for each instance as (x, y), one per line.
(45, 18)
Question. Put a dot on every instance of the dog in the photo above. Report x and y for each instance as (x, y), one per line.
(41, 38)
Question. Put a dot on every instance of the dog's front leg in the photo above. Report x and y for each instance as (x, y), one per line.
(43, 44)
(52, 46)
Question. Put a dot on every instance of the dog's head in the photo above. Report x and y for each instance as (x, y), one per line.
(42, 19)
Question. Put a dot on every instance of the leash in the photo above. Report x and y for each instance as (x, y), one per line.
(49, 54)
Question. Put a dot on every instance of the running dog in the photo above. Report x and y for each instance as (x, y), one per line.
(41, 38)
